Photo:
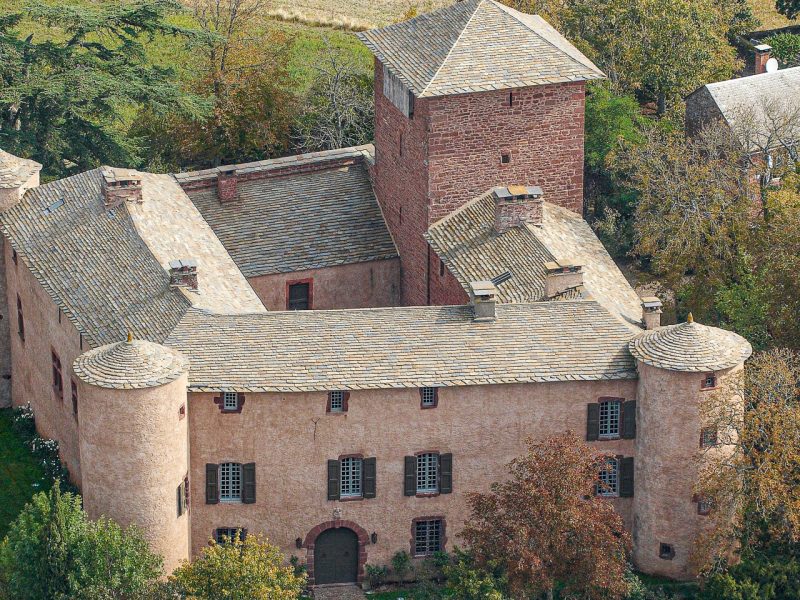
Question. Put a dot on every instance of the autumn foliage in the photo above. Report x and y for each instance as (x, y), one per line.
(544, 528)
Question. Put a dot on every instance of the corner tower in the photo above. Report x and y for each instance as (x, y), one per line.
(677, 365)
(134, 443)
(469, 97)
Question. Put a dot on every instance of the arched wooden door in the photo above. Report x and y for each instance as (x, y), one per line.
(336, 556)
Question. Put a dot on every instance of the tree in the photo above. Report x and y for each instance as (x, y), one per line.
(543, 526)
(338, 109)
(53, 551)
(252, 569)
(62, 95)
(789, 8)
(785, 48)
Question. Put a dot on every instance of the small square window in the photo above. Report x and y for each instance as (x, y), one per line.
(704, 506)
(336, 401)
(666, 551)
(505, 158)
(429, 396)
(708, 437)
(230, 401)
(709, 382)
(427, 537)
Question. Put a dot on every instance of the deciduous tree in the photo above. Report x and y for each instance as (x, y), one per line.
(788, 8)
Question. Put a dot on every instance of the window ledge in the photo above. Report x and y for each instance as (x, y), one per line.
(427, 494)
(221, 501)
(608, 438)
(350, 498)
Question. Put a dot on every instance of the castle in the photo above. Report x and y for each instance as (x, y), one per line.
(333, 348)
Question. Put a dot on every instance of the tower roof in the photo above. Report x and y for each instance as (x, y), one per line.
(15, 171)
(690, 347)
(130, 365)
(477, 46)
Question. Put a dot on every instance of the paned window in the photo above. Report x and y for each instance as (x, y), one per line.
(427, 537)
(428, 397)
(708, 437)
(350, 477)
(225, 535)
(337, 400)
(230, 401)
(230, 482)
(58, 382)
(609, 418)
(299, 296)
(427, 473)
(609, 478)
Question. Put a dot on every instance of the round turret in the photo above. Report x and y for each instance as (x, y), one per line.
(134, 441)
(677, 365)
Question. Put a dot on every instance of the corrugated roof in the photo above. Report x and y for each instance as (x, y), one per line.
(476, 46)
(403, 347)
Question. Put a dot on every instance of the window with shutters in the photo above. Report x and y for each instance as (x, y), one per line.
(58, 381)
(230, 401)
(298, 294)
(20, 319)
(74, 390)
(227, 535)
(429, 397)
(427, 473)
(230, 482)
(609, 419)
(609, 479)
(708, 437)
(350, 477)
(709, 382)
(428, 536)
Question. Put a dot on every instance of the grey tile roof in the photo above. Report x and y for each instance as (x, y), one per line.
(690, 347)
(15, 171)
(468, 244)
(130, 365)
(302, 220)
(402, 347)
(476, 46)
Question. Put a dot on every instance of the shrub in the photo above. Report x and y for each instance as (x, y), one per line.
(376, 574)
(469, 582)
(401, 564)
(775, 578)
(786, 48)
(46, 451)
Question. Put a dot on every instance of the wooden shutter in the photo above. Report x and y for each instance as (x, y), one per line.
(593, 422)
(628, 420)
(626, 477)
(410, 479)
(249, 483)
(212, 483)
(368, 477)
(345, 401)
(334, 473)
(445, 473)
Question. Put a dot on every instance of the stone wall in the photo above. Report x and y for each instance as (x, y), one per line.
(359, 285)
(290, 437)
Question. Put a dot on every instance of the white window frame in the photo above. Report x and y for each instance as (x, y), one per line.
(428, 397)
(428, 473)
(610, 477)
(351, 469)
(230, 401)
(230, 482)
(337, 400)
(430, 538)
(610, 419)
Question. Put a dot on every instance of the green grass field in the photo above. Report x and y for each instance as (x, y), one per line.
(20, 474)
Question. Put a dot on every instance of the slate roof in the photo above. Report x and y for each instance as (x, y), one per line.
(690, 347)
(471, 249)
(103, 274)
(129, 365)
(302, 220)
(763, 101)
(476, 46)
(297, 351)
(15, 171)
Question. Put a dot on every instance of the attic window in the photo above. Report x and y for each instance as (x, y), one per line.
(52, 208)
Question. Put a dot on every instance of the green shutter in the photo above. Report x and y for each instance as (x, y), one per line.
(249, 483)
(368, 473)
(626, 477)
(212, 483)
(334, 472)
(628, 420)
(445, 473)
(410, 479)
(593, 422)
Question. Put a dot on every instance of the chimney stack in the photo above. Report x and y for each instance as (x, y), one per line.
(121, 185)
(483, 295)
(226, 185)
(517, 205)
(17, 176)
(183, 273)
(562, 276)
(762, 55)
(651, 312)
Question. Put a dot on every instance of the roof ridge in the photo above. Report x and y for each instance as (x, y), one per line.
(459, 210)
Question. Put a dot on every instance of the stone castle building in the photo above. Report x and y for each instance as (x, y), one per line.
(334, 348)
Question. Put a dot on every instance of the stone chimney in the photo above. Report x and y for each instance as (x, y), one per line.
(183, 273)
(121, 185)
(651, 312)
(762, 55)
(226, 185)
(517, 205)
(562, 276)
(483, 295)
(17, 176)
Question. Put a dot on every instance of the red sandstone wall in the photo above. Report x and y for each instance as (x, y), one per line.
(31, 374)
(445, 289)
(290, 438)
(361, 285)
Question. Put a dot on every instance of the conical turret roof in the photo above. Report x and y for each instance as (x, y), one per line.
(690, 347)
(130, 365)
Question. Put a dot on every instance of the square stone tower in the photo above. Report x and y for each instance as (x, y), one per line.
(469, 97)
